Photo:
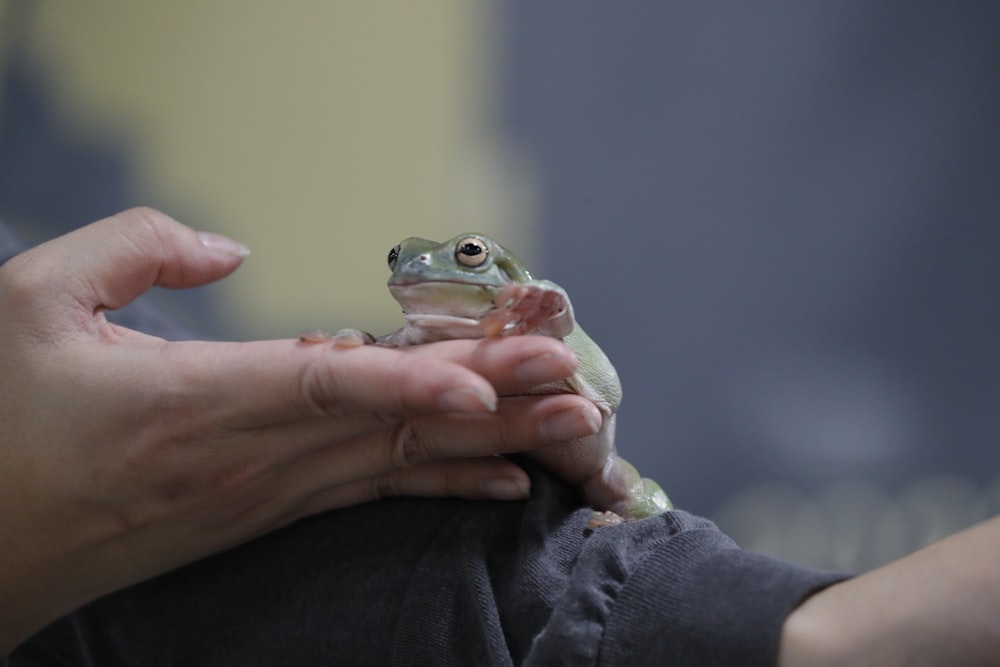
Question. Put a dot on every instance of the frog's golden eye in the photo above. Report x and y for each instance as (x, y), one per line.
(393, 256)
(471, 252)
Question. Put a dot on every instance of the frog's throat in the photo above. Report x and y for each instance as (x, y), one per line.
(441, 298)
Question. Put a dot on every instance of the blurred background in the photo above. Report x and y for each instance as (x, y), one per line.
(780, 220)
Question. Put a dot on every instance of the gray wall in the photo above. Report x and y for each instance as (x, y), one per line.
(781, 221)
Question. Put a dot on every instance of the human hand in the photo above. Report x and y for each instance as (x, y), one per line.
(123, 455)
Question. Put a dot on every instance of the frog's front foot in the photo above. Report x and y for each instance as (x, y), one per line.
(345, 338)
(536, 307)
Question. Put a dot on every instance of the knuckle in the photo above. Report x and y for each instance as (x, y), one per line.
(318, 392)
(156, 238)
(454, 483)
(232, 479)
(199, 459)
(153, 221)
(385, 486)
(146, 226)
(148, 230)
(384, 417)
(226, 484)
(408, 446)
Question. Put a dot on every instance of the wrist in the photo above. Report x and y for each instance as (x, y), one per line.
(834, 627)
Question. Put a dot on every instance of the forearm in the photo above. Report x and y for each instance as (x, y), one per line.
(938, 606)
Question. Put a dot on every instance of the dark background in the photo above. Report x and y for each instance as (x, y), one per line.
(780, 220)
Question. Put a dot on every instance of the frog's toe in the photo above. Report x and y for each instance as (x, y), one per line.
(344, 338)
(352, 338)
(651, 501)
(314, 336)
(509, 296)
(602, 519)
(494, 323)
(645, 498)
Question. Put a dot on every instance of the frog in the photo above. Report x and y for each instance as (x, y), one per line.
(472, 287)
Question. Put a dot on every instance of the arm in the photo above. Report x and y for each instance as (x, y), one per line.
(937, 606)
(123, 455)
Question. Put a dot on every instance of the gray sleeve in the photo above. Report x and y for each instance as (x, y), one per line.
(677, 592)
(428, 581)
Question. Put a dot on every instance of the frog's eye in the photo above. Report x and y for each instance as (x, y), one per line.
(471, 252)
(393, 256)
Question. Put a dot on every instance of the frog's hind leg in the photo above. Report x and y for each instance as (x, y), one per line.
(602, 519)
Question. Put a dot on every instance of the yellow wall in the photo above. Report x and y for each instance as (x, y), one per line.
(318, 133)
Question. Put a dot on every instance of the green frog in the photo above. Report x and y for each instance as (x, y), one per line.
(472, 287)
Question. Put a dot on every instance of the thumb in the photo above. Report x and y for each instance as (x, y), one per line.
(109, 263)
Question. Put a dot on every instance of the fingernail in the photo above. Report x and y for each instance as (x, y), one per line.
(542, 368)
(569, 424)
(466, 399)
(223, 244)
(505, 488)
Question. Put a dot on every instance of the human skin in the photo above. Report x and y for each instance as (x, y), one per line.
(938, 606)
(123, 455)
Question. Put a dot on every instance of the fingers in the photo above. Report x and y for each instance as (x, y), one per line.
(492, 478)
(323, 452)
(109, 263)
(614, 488)
(590, 463)
(267, 382)
(512, 365)
(442, 455)
(251, 385)
(430, 456)
(520, 424)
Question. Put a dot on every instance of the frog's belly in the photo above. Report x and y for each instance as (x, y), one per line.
(441, 327)
(423, 328)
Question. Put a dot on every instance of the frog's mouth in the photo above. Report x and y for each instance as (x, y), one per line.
(442, 297)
